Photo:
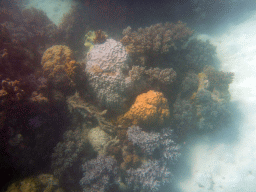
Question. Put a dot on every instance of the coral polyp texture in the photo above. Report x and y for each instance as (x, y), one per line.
(150, 141)
(149, 108)
(59, 66)
(149, 177)
(147, 45)
(105, 69)
(100, 174)
(161, 149)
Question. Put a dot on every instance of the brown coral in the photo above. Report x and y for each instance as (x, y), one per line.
(219, 79)
(150, 109)
(11, 91)
(148, 46)
(59, 66)
(100, 37)
(156, 38)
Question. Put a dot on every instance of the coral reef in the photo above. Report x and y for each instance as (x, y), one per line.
(158, 77)
(59, 67)
(150, 141)
(150, 109)
(189, 85)
(218, 79)
(111, 131)
(105, 67)
(156, 38)
(100, 174)
(184, 116)
(207, 105)
(160, 151)
(200, 54)
(68, 151)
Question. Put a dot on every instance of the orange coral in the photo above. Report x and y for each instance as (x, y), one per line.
(100, 37)
(59, 66)
(149, 108)
(55, 58)
(71, 68)
(11, 91)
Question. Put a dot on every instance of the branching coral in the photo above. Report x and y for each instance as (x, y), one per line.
(161, 148)
(149, 177)
(100, 174)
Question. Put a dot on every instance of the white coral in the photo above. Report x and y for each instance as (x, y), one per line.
(105, 67)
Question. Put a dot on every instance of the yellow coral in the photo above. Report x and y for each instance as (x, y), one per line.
(27, 185)
(149, 108)
(43, 182)
(89, 38)
(94, 37)
(203, 81)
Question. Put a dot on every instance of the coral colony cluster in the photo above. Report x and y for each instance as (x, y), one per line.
(112, 120)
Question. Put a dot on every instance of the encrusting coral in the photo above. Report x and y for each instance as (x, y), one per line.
(149, 108)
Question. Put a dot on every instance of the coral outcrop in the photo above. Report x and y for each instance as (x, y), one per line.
(149, 108)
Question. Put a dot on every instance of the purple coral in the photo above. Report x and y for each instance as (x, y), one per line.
(149, 141)
(99, 174)
(146, 141)
(154, 173)
(149, 177)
